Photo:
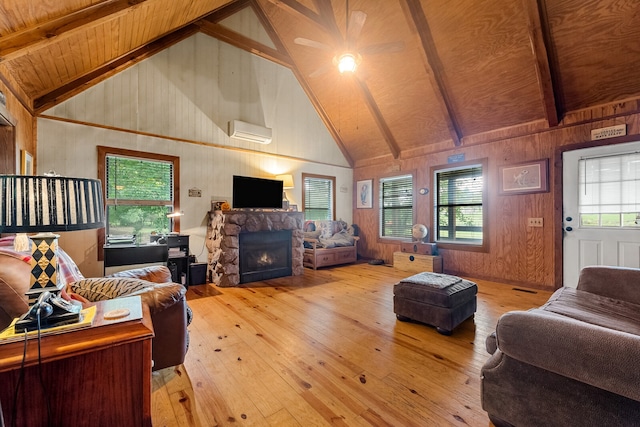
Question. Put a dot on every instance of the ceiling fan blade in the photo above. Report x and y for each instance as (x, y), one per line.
(390, 47)
(320, 71)
(311, 43)
(356, 22)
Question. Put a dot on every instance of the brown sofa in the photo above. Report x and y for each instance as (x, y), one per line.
(573, 361)
(166, 300)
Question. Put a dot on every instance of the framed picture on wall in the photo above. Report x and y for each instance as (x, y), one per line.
(26, 163)
(527, 177)
(364, 194)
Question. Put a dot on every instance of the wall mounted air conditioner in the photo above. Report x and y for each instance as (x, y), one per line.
(249, 132)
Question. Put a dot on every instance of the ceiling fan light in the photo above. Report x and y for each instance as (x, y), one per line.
(347, 63)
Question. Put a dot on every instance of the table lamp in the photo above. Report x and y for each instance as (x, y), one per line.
(287, 183)
(44, 205)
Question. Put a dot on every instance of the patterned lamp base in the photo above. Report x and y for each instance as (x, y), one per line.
(44, 265)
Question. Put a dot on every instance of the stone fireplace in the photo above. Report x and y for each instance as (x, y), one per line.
(246, 246)
(264, 255)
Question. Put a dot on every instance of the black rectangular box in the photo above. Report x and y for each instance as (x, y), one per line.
(197, 273)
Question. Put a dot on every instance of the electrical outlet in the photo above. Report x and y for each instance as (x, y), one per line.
(534, 222)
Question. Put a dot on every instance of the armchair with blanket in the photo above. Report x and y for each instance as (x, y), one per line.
(170, 314)
(571, 362)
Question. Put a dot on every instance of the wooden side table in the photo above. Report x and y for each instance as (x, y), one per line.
(95, 376)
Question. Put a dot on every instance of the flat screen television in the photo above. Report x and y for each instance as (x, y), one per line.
(256, 193)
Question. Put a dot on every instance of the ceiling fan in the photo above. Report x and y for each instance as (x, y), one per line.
(347, 58)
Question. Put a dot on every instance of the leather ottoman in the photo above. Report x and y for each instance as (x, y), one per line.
(440, 300)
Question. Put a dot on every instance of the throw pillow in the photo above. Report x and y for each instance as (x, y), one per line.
(326, 229)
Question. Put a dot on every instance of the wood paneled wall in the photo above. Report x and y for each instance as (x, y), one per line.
(24, 129)
(517, 253)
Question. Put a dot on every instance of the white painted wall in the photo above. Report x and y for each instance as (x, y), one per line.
(189, 92)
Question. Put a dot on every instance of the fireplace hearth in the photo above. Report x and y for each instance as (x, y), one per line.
(265, 255)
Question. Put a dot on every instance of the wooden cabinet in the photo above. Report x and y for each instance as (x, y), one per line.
(96, 376)
(417, 263)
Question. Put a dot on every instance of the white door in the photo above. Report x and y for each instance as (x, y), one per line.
(601, 208)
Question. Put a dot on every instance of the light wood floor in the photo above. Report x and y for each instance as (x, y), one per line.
(326, 349)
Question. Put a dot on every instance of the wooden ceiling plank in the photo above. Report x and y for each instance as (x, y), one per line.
(238, 40)
(102, 73)
(20, 43)
(543, 68)
(378, 117)
(228, 10)
(417, 20)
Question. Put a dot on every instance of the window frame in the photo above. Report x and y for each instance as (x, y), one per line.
(333, 192)
(380, 205)
(470, 247)
(104, 151)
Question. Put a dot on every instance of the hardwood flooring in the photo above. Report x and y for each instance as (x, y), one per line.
(325, 348)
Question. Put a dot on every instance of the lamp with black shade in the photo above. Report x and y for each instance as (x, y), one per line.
(45, 205)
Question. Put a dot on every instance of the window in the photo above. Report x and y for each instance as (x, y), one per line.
(318, 197)
(396, 207)
(139, 192)
(459, 205)
(609, 191)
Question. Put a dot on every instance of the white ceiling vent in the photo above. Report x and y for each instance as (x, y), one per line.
(249, 132)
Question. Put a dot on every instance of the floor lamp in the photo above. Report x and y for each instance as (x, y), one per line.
(45, 205)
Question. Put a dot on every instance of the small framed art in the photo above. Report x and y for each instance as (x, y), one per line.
(364, 194)
(527, 177)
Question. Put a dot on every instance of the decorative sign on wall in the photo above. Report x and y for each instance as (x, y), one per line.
(608, 132)
(455, 158)
(195, 192)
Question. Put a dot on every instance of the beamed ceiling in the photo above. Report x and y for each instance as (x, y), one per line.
(435, 74)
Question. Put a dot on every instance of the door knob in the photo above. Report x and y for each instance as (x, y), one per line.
(569, 228)
(569, 218)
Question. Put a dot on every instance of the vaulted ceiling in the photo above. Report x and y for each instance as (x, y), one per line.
(435, 74)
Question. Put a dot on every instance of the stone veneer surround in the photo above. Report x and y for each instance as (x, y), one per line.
(222, 241)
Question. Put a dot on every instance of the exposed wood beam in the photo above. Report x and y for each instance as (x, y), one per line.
(107, 70)
(301, 10)
(326, 11)
(238, 40)
(378, 117)
(23, 42)
(323, 116)
(417, 21)
(543, 69)
(322, 113)
(271, 32)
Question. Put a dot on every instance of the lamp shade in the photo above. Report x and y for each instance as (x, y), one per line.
(31, 204)
(287, 180)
